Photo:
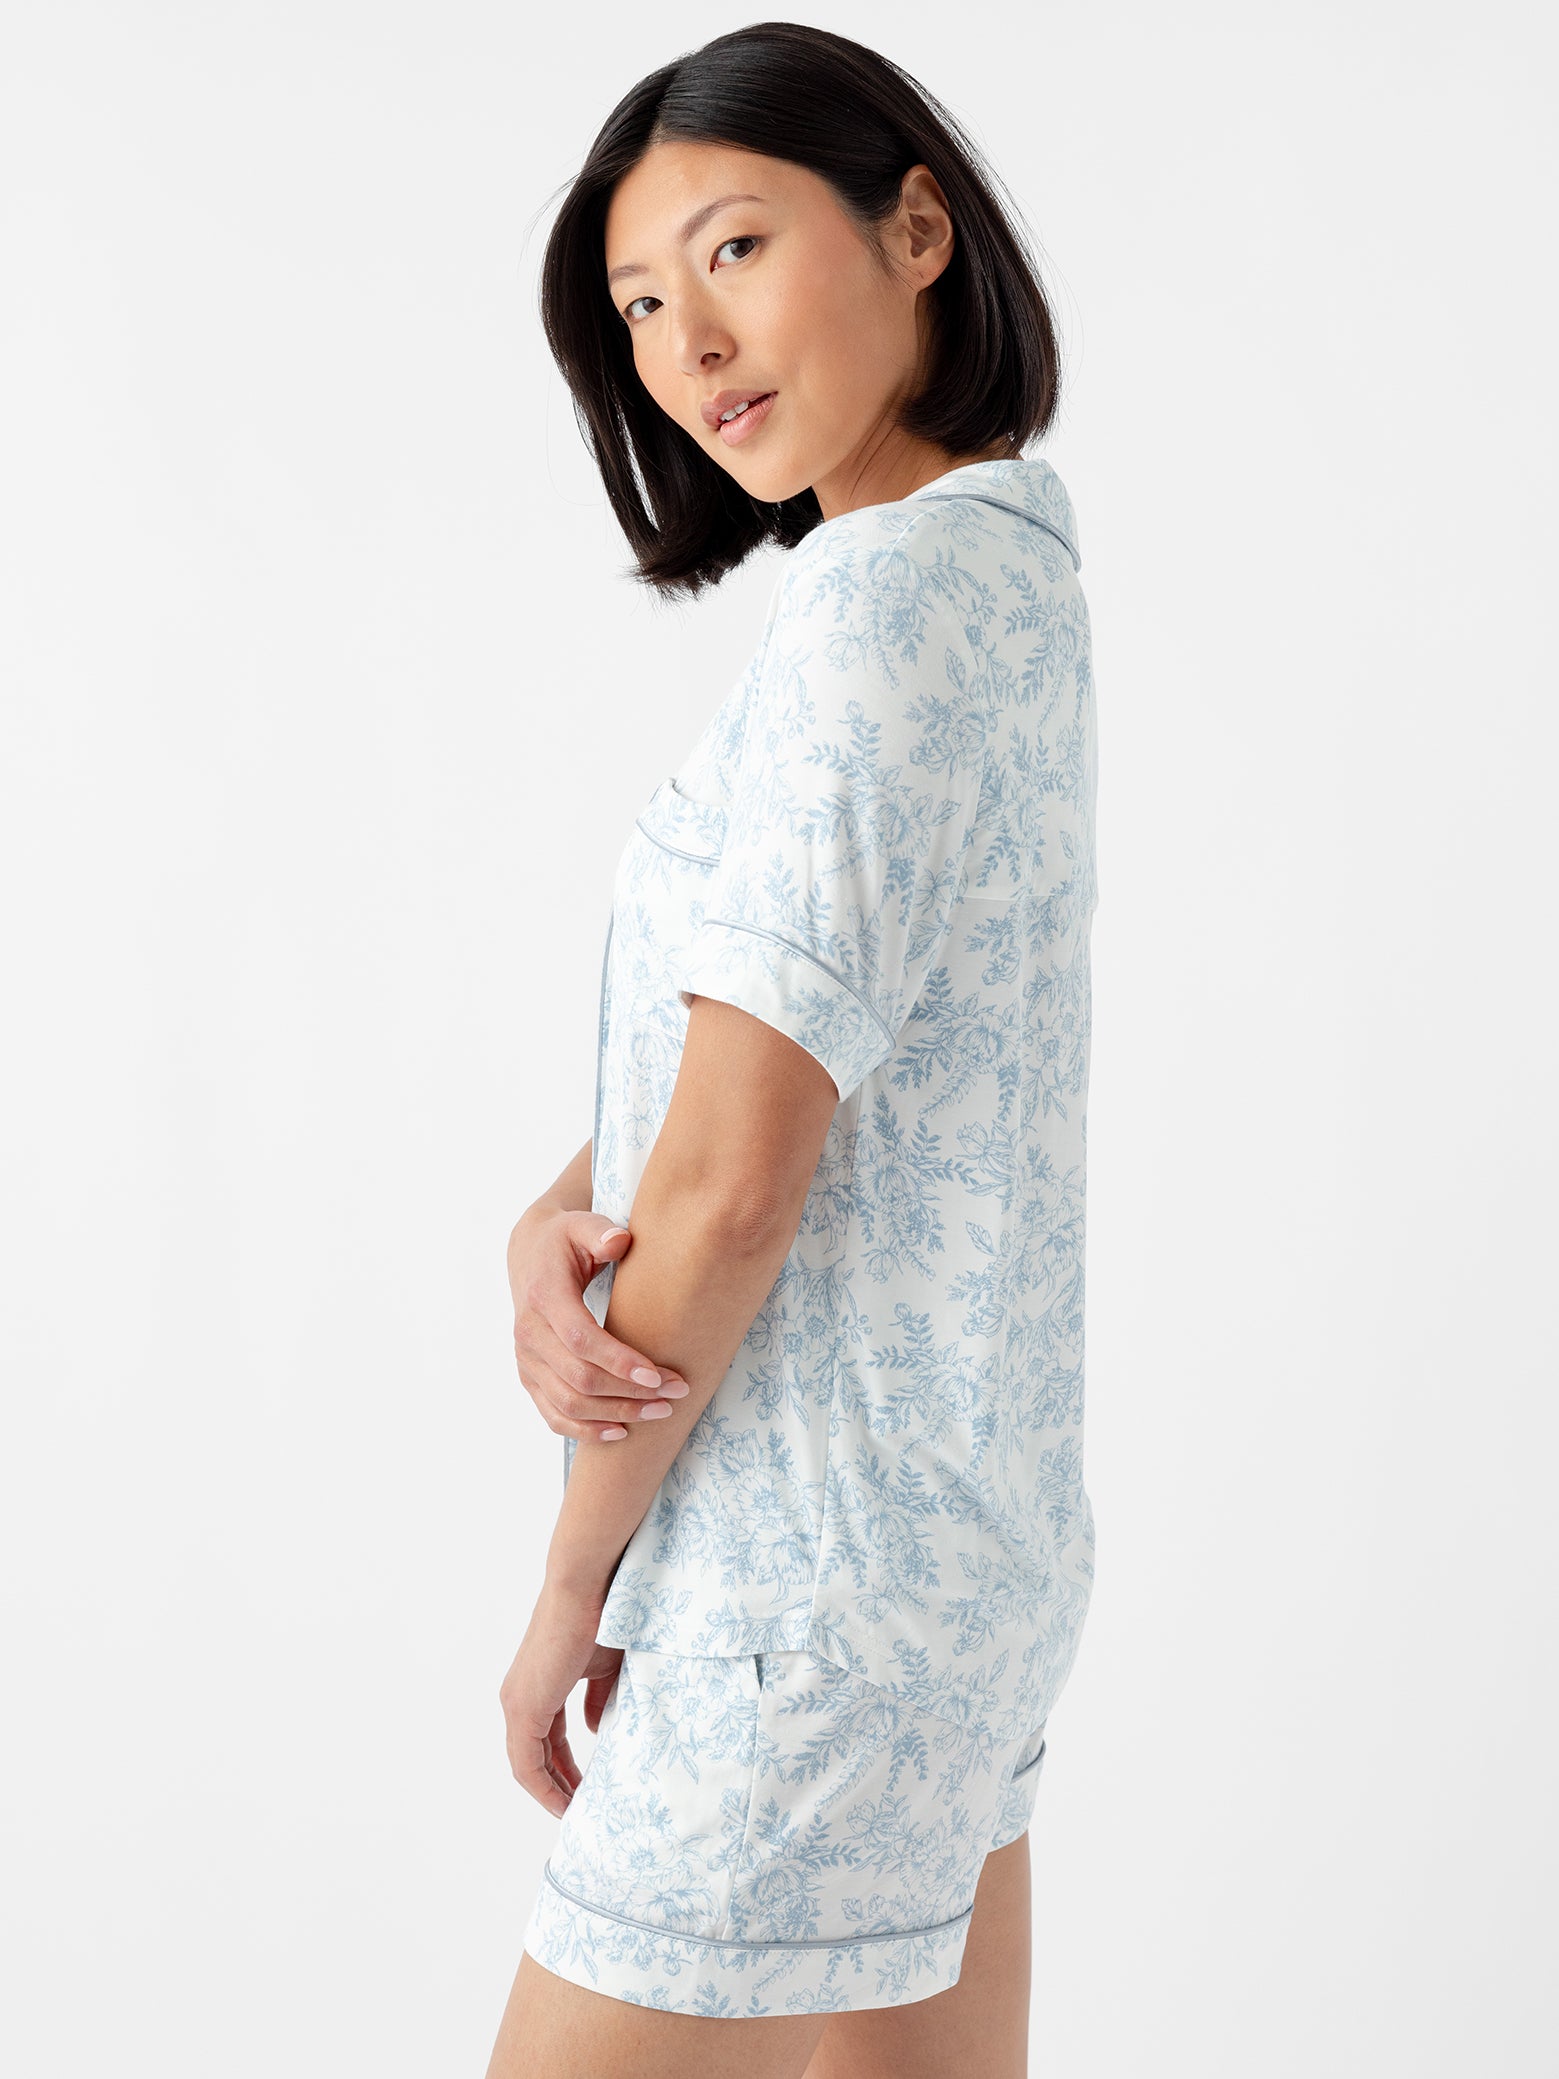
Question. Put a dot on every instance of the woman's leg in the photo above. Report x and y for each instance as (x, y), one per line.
(980, 2025)
(554, 2029)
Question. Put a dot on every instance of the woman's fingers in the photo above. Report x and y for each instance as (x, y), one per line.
(598, 1694)
(575, 1326)
(585, 1381)
(548, 1273)
(580, 1416)
(564, 1766)
(528, 1763)
(572, 1385)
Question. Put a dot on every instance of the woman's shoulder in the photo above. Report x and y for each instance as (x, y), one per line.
(989, 523)
(848, 538)
(851, 568)
(896, 575)
(981, 508)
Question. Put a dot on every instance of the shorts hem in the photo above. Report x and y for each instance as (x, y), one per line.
(1022, 1795)
(606, 1951)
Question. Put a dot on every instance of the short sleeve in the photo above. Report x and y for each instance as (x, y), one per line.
(855, 799)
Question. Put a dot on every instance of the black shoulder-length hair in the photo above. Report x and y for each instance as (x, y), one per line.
(861, 122)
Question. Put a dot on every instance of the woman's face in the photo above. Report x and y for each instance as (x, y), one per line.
(740, 276)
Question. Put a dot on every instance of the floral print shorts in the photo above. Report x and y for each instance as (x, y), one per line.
(772, 1834)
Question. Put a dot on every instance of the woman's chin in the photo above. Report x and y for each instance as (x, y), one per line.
(770, 484)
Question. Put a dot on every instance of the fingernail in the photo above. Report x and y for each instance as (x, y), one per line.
(654, 1408)
(610, 1232)
(610, 1436)
(641, 1375)
(675, 1388)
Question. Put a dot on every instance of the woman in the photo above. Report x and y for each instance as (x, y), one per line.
(824, 1549)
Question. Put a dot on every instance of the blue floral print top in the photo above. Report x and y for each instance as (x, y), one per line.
(882, 844)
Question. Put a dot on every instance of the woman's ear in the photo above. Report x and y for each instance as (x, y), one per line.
(922, 230)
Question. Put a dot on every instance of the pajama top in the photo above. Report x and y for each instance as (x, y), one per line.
(882, 844)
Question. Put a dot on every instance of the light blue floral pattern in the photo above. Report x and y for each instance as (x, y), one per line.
(772, 1834)
(882, 843)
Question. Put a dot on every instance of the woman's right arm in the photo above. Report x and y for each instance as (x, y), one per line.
(582, 1379)
(572, 1191)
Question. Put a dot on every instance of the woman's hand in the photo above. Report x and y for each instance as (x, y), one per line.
(559, 1649)
(585, 1383)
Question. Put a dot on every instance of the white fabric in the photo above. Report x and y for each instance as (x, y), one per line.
(882, 844)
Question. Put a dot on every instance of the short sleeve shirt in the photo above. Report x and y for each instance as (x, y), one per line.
(882, 844)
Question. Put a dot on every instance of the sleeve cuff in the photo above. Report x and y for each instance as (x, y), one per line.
(791, 990)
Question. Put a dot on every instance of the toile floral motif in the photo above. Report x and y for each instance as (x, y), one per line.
(882, 844)
(770, 1833)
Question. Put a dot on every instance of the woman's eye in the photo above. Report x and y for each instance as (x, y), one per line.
(746, 238)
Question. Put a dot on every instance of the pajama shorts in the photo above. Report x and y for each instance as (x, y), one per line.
(772, 1834)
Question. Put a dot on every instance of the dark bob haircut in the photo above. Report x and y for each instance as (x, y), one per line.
(861, 122)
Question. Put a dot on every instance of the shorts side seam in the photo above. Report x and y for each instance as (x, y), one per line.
(740, 1862)
(678, 1934)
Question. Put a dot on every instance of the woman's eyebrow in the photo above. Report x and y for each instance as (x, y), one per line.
(690, 229)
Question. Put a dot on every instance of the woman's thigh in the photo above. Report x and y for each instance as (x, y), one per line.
(980, 2025)
(554, 2029)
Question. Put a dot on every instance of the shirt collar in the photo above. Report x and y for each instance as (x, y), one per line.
(1026, 485)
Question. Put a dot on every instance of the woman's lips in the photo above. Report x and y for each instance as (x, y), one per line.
(732, 431)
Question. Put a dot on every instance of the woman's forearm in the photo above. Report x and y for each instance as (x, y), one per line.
(686, 1294)
(570, 1192)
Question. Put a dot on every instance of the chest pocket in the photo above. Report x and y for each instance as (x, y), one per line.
(668, 870)
(691, 831)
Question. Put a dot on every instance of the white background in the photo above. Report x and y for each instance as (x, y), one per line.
(327, 707)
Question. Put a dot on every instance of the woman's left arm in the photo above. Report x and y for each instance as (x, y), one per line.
(714, 1217)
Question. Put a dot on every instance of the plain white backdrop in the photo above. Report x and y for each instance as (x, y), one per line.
(328, 704)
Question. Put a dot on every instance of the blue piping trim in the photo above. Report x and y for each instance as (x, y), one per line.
(571, 1444)
(677, 1934)
(1034, 1764)
(759, 931)
(600, 1046)
(1007, 505)
(676, 851)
